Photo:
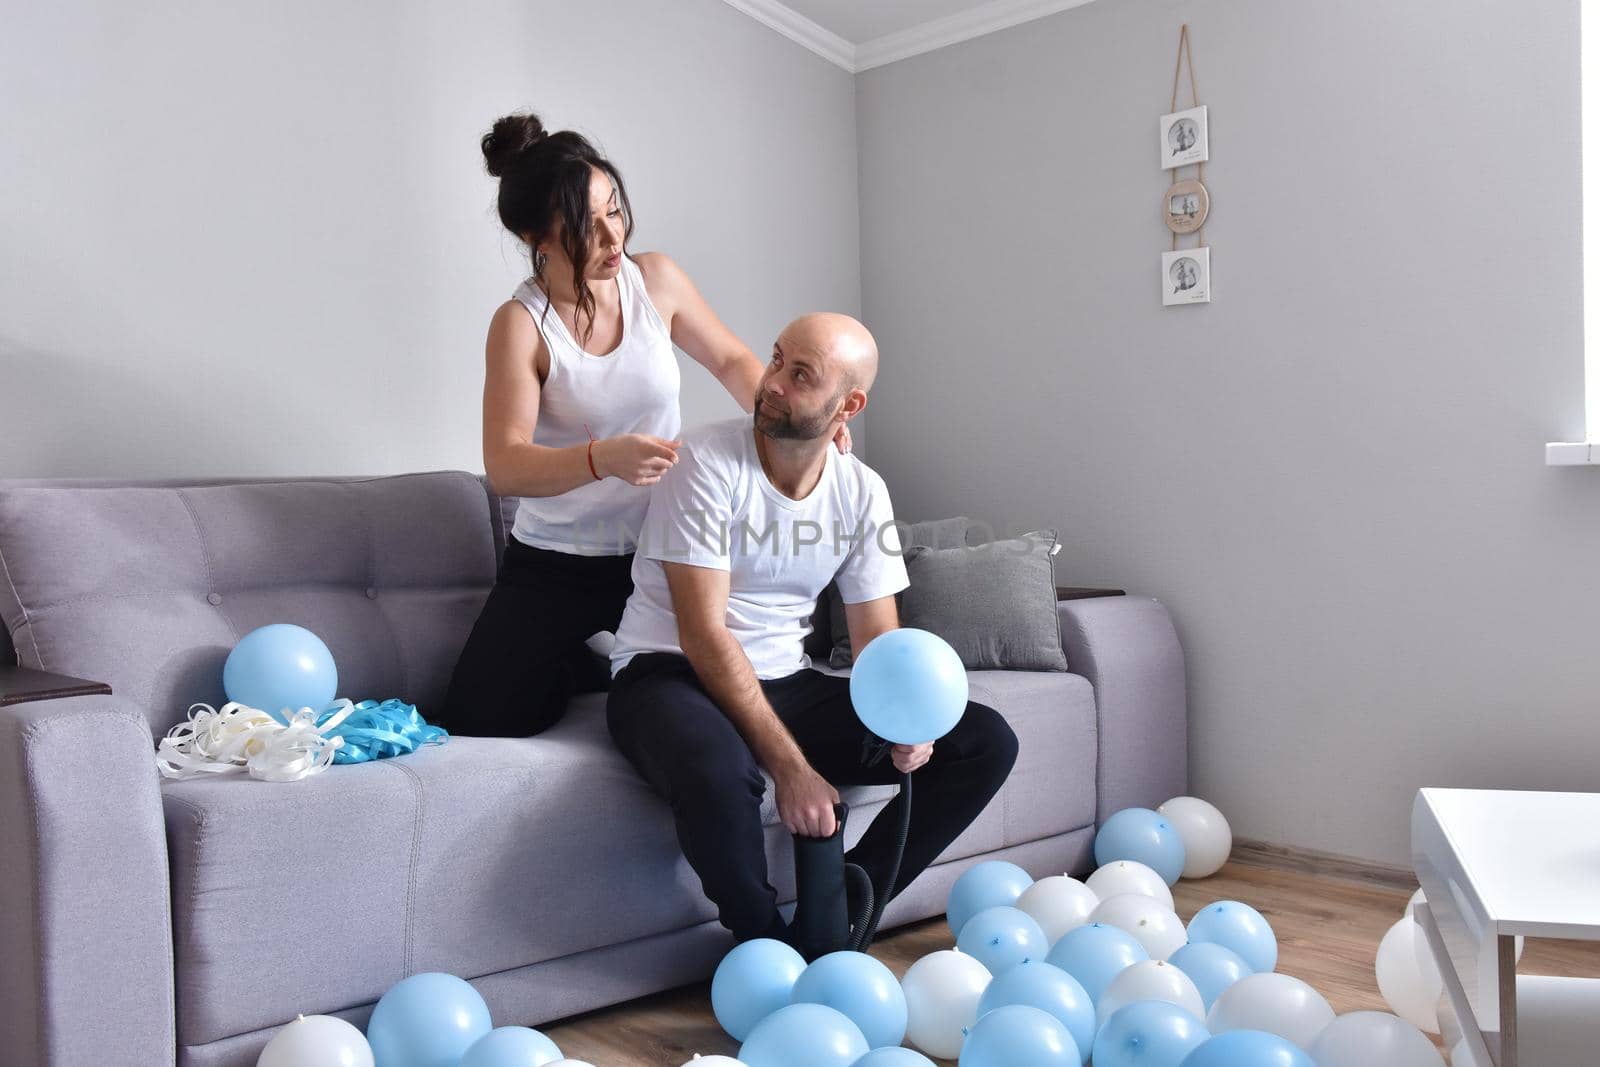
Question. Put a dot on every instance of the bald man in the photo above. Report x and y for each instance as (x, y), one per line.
(711, 682)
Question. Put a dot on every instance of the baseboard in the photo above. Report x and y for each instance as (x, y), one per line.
(1323, 864)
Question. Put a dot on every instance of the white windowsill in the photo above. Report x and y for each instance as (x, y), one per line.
(1572, 454)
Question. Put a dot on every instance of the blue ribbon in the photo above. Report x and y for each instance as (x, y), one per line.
(377, 731)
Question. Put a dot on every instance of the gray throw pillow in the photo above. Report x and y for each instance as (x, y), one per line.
(935, 533)
(995, 603)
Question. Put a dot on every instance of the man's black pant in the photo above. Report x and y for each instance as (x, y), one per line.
(690, 752)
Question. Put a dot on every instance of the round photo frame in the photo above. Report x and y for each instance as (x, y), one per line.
(1185, 206)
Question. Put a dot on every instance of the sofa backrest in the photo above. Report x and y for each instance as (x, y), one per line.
(147, 585)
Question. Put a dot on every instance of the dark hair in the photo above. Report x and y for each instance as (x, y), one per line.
(544, 177)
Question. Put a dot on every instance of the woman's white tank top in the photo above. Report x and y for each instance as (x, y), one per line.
(633, 389)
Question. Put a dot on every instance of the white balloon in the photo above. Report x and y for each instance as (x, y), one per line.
(1150, 980)
(1129, 876)
(1373, 1039)
(1207, 838)
(942, 991)
(317, 1041)
(1058, 904)
(1410, 993)
(713, 1061)
(1152, 924)
(1277, 1003)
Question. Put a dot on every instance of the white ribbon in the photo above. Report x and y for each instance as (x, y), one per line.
(240, 738)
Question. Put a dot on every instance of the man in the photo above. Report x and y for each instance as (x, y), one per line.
(711, 682)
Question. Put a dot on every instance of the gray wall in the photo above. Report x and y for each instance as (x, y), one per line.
(258, 239)
(1333, 474)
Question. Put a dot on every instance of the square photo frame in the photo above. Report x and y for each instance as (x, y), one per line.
(1186, 277)
(1184, 138)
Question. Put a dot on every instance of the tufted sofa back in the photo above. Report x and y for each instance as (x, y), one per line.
(146, 585)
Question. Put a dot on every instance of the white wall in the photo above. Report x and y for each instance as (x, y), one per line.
(1333, 475)
(258, 239)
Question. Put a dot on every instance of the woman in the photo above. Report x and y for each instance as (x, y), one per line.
(580, 418)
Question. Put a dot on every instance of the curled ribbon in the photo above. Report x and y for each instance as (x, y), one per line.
(371, 730)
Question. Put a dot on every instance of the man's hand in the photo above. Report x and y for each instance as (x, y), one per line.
(805, 802)
(908, 758)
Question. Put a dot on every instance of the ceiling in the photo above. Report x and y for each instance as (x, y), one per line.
(861, 34)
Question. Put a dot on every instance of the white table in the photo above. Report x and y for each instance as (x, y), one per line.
(1495, 866)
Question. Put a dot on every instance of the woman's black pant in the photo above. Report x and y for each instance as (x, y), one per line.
(526, 656)
(680, 741)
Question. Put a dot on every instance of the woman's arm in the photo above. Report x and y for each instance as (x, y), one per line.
(697, 330)
(518, 467)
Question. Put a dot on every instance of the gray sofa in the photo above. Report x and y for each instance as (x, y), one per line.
(146, 922)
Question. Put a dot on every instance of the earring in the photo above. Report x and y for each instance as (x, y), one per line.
(538, 261)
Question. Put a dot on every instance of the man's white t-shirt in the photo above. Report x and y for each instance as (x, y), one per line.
(716, 508)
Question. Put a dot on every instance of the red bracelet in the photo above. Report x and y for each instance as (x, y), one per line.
(591, 461)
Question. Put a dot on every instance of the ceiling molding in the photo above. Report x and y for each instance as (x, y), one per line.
(953, 29)
(800, 30)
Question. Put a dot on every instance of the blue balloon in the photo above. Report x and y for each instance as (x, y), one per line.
(281, 666)
(1046, 987)
(1246, 1048)
(1000, 938)
(804, 1035)
(511, 1046)
(1143, 835)
(427, 1020)
(1147, 1033)
(1211, 967)
(1019, 1036)
(909, 686)
(859, 988)
(1237, 926)
(753, 981)
(1094, 954)
(991, 884)
(893, 1057)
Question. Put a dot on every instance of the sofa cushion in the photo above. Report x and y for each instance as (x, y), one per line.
(148, 587)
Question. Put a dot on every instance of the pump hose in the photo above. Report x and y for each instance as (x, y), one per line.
(864, 924)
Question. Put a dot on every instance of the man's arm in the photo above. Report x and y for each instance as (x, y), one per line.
(700, 601)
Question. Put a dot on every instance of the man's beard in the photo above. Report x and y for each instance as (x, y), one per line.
(783, 426)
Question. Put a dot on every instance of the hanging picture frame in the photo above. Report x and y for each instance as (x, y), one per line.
(1185, 206)
(1185, 138)
(1186, 276)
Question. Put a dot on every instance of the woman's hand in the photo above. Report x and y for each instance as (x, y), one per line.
(636, 458)
(908, 758)
(842, 438)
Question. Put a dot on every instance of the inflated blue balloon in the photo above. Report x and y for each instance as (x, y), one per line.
(1094, 954)
(1047, 987)
(909, 686)
(893, 1057)
(1211, 967)
(804, 1035)
(1000, 938)
(1246, 1048)
(753, 981)
(991, 884)
(427, 1020)
(1237, 926)
(1019, 1036)
(1142, 835)
(1147, 1033)
(860, 988)
(511, 1046)
(280, 666)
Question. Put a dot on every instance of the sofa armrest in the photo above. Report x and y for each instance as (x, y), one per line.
(1126, 646)
(85, 903)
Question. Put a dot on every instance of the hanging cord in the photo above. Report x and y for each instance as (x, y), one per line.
(864, 925)
(1184, 51)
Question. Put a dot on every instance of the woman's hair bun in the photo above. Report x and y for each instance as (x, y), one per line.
(511, 137)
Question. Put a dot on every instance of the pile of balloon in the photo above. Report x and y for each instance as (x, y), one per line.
(281, 722)
(1061, 972)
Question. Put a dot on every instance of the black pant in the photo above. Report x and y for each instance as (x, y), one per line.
(690, 752)
(526, 655)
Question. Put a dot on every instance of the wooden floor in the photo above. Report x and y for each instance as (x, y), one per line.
(1328, 932)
